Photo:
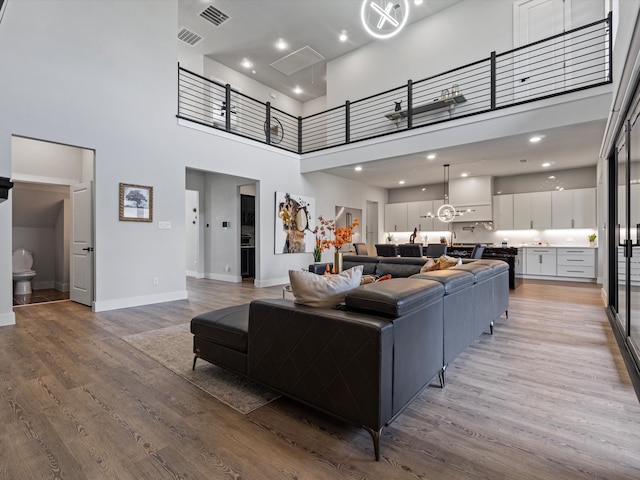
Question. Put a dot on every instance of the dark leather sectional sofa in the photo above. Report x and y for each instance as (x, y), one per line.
(365, 362)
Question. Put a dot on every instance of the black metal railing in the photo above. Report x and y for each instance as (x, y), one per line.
(568, 62)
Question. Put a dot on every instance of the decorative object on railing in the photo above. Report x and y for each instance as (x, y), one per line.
(383, 18)
(568, 62)
(275, 131)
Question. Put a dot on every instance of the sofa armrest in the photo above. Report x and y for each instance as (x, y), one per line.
(336, 361)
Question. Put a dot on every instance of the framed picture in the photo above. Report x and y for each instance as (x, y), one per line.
(294, 221)
(136, 203)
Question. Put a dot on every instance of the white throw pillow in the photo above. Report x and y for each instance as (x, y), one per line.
(323, 290)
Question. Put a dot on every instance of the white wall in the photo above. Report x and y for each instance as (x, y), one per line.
(463, 33)
(45, 162)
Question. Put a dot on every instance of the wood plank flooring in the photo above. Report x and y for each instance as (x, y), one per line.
(546, 397)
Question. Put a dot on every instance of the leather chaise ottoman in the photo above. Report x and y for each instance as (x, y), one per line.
(220, 337)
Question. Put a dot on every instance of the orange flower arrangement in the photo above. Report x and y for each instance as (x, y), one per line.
(330, 236)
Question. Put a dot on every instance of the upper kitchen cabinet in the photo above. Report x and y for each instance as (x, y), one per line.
(395, 217)
(532, 211)
(420, 215)
(574, 208)
(503, 212)
(473, 196)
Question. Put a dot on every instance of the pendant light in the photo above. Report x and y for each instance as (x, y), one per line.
(446, 212)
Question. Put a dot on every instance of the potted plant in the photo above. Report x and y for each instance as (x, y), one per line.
(592, 239)
(389, 238)
(332, 236)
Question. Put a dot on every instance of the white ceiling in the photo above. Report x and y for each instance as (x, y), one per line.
(254, 26)
(565, 147)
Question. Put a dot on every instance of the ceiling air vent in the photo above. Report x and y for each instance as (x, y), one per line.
(213, 15)
(298, 60)
(188, 37)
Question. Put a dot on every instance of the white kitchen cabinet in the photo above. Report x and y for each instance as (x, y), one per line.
(503, 212)
(521, 262)
(541, 261)
(395, 217)
(532, 211)
(573, 208)
(417, 216)
(576, 262)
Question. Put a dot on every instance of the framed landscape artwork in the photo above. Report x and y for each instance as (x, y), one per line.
(294, 223)
(136, 203)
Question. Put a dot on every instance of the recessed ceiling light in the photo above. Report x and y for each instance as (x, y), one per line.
(546, 164)
(417, 2)
(281, 44)
(358, 168)
(423, 189)
(552, 177)
(343, 37)
(297, 90)
(431, 156)
(246, 63)
(465, 174)
(535, 139)
(401, 182)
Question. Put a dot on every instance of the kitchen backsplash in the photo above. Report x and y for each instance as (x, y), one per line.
(480, 233)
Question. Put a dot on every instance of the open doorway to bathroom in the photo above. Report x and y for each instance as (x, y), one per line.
(46, 176)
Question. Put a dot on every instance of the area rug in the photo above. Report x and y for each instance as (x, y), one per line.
(172, 347)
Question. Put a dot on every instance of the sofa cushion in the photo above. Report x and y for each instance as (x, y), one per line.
(227, 327)
(479, 270)
(323, 290)
(452, 279)
(368, 263)
(399, 266)
(393, 298)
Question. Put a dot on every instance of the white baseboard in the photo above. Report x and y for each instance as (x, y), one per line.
(61, 287)
(194, 274)
(105, 305)
(224, 278)
(271, 282)
(8, 318)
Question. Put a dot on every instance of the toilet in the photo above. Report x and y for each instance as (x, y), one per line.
(22, 274)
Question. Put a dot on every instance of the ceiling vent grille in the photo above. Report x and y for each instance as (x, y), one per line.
(298, 60)
(188, 37)
(213, 15)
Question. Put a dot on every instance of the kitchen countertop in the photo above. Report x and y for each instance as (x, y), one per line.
(557, 246)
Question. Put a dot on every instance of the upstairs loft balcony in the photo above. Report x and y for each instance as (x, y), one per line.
(575, 60)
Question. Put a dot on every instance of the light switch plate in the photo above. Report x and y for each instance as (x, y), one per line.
(164, 225)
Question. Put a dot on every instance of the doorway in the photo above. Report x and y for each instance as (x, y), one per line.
(51, 178)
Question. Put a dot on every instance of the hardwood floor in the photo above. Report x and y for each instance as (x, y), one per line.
(546, 397)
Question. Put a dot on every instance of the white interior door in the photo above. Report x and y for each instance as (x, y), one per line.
(539, 70)
(82, 259)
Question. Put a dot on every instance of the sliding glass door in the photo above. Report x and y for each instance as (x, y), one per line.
(625, 254)
(633, 205)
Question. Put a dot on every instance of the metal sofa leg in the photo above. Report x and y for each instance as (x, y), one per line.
(441, 375)
(506, 312)
(491, 328)
(195, 357)
(375, 436)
